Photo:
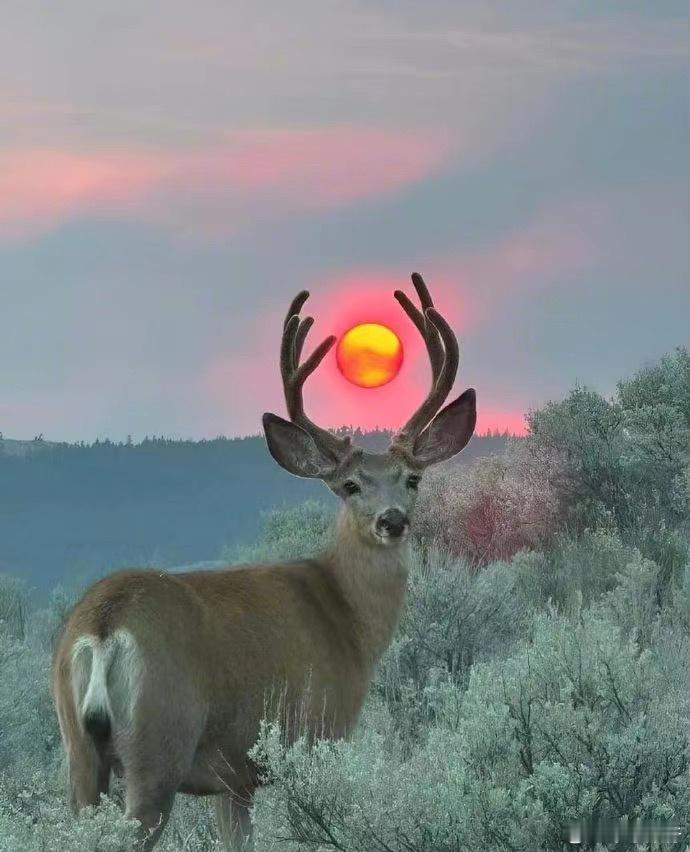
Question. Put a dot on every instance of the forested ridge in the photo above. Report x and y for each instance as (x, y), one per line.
(71, 511)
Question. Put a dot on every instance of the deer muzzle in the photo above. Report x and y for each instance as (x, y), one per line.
(392, 524)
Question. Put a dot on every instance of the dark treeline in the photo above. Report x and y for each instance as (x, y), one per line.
(69, 512)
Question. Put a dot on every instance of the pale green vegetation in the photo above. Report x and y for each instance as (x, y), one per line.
(541, 672)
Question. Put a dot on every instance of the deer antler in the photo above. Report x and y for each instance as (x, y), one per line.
(295, 330)
(442, 346)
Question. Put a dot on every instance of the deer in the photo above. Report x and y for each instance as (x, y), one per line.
(164, 678)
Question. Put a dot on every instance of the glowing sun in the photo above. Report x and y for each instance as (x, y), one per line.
(369, 355)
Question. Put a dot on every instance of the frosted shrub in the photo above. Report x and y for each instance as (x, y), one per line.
(586, 431)
(626, 459)
(46, 623)
(575, 572)
(633, 602)
(363, 796)
(681, 601)
(577, 723)
(29, 735)
(287, 534)
(14, 606)
(500, 505)
(191, 827)
(34, 818)
(598, 725)
(453, 616)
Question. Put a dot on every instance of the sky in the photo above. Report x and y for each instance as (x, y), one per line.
(173, 173)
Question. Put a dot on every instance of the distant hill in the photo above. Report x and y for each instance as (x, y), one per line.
(69, 512)
(14, 447)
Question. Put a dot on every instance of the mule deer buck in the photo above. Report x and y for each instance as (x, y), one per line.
(164, 678)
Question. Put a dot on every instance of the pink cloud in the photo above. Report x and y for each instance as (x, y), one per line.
(332, 165)
(41, 187)
(255, 175)
(557, 246)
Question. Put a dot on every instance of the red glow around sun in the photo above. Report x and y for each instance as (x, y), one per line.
(369, 355)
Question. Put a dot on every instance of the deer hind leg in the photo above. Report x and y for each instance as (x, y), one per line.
(233, 819)
(155, 764)
(151, 806)
(88, 767)
(89, 776)
(154, 768)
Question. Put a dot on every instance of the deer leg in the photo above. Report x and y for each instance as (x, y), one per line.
(151, 806)
(88, 768)
(89, 776)
(154, 767)
(233, 819)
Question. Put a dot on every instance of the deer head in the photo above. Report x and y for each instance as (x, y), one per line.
(378, 489)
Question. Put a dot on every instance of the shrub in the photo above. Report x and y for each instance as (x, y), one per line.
(667, 382)
(287, 534)
(577, 723)
(14, 606)
(363, 796)
(575, 572)
(625, 460)
(28, 728)
(495, 508)
(46, 623)
(586, 432)
(34, 817)
(453, 617)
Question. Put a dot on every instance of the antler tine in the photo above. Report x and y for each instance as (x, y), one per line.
(301, 336)
(296, 306)
(294, 374)
(426, 329)
(444, 355)
(298, 335)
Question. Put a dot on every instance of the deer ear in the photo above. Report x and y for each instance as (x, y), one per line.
(294, 449)
(449, 431)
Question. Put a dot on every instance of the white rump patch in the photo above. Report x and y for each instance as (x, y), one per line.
(106, 676)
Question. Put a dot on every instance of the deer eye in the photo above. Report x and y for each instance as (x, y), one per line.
(413, 481)
(351, 487)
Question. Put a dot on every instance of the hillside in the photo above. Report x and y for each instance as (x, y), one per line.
(72, 511)
(15, 447)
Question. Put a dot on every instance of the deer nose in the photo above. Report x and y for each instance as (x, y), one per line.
(392, 522)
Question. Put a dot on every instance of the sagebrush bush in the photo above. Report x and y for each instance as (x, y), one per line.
(577, 723)
(497, 507)
(29, 737)
(361, 796)
(576, 571)
(34, 818)
(14, 606)
(289, 533)
(453, 616)
(625, 460)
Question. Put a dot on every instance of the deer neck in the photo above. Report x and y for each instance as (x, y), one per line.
(373, 579)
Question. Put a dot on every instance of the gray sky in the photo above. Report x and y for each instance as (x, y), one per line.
(172, 173)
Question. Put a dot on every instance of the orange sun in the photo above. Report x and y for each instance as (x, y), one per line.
(369, 355)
